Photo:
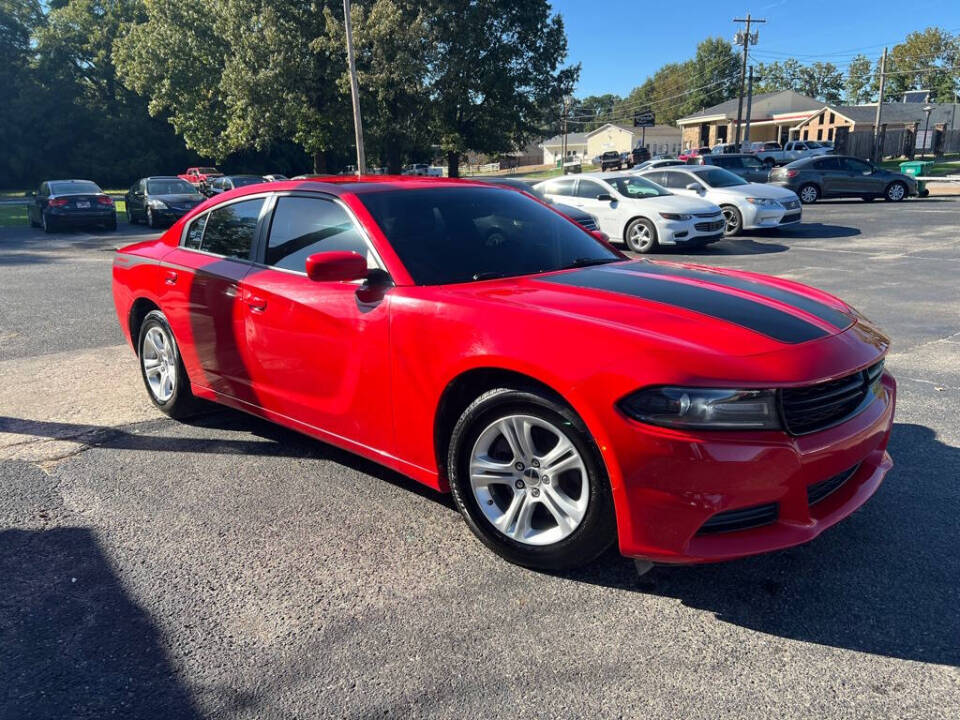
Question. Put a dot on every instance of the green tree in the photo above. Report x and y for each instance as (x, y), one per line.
(495, 73)
(859, 78)
(927, 60)
(822, 81)
(19, 19)
(239, 74)
(593, 111)
(715, 75)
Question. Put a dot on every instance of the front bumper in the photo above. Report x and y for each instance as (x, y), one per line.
(674, 482)
(681, 232)
(757, 217)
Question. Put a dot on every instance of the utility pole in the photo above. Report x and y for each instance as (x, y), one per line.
(746, 130)
(876, 123)
(563, 143)
(354, 90)
(744, 39)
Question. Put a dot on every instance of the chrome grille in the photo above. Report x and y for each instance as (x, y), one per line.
(816, 407)
(709, 226)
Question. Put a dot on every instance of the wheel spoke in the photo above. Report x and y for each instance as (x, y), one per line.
(484, 472)
(516, 431)
(151, 363)
(562, 457)
(560, 510)
(521, 527)
(505, 521)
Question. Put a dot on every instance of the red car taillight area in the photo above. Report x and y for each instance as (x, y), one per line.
(105, 200)
(57, 202)
(791, 173)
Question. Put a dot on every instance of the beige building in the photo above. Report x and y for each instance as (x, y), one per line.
(659, 139)
(553, 148)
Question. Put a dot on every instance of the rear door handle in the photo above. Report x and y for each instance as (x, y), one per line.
(255, 302)
(170, 277)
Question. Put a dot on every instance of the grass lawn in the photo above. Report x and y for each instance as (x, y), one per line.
(16, 215)
(949, 165)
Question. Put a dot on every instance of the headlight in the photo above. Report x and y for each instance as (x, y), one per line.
(763, 202)
(157, 204)
(674, 216)
(704, 408)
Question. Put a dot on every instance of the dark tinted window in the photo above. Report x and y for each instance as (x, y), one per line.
(230, 229)
(195, 233)
(564, 186)
(827, 163)
(751, 162)
(673, 179)
(458, 234)
(589, 189)
(719, 178)
(169, 186)
(854, 165)
(244, 181)
(62, 187)
(302, 226)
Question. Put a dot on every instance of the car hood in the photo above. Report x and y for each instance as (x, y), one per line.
(688, 307)
(757, 190)
(675, 203)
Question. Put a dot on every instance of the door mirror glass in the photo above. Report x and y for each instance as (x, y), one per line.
(605, 197)
(694, 186)
(336, 266)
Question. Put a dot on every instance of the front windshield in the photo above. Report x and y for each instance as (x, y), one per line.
(458, 234)
(207, 171)
(635, 187)
(720, 178)
(242, 181)
(170, 187)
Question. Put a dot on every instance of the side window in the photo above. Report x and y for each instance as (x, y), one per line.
(827, 163)
(564, 186)
(303, 226)
(44, 189)
(230, 229)
(588, 189)
(195, 233)
(854, 165)
(675, 180)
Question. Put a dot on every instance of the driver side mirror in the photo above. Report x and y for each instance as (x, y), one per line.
(336, 266)
(605, 197)
(695, 187)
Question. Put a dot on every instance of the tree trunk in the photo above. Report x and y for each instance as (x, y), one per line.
(453, 164)
(320, 161)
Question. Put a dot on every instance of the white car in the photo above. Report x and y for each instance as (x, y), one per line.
(635, 211)
(745, 205)
(654, 164)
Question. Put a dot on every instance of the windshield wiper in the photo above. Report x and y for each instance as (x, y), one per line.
(587, 262)
(488, 275)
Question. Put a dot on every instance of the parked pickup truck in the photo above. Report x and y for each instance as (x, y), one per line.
(771, 154)
(200, 177)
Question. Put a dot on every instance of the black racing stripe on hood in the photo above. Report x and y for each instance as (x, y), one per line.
(837, 318)
(750, 314)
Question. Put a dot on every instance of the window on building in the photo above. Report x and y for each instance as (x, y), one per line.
(820, 134)
(832, 118)
(830, 134)
(806, 134)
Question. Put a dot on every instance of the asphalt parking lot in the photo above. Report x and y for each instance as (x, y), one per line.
(227, 568)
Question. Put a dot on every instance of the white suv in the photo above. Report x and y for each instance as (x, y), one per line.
(638, 212)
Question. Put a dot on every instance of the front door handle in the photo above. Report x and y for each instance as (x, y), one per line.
(170, 277)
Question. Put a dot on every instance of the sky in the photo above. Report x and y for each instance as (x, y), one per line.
(620, 42)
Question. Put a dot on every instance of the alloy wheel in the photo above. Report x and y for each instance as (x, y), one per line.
(529, 480)
(895, 192)
(732, 219)
(159, 363)
(809, 194)
(641, 239)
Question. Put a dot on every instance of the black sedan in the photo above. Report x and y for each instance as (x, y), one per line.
(160, 200)
(836, 176)
(230, 182)
(62, 204)
(580, 217)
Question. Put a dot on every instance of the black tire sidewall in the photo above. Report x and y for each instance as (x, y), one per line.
(597, 530)
(181, 402)
(800, 193)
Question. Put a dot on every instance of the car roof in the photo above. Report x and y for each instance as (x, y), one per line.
(163, 177)
(360, 184)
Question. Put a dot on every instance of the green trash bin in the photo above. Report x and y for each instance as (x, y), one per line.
(916, 168)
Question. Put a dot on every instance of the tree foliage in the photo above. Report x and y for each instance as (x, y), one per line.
(927, 60)
(858, 84)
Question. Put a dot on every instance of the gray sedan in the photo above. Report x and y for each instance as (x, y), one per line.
(835, 176)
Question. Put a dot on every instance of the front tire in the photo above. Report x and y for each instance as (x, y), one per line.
(162, 368)
(895, 192)
(528, 479)
(733, 220)
(641, 236)
(151, 220)
(809, 194)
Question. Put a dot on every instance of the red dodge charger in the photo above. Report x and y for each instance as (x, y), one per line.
(476, 340)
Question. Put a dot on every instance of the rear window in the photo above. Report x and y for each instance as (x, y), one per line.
(458, 234)
(64, 187)
(230, 229)
(244, 181)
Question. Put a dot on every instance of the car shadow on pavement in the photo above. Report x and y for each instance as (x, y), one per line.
(810, 231)
(884, 581)
(73, 643)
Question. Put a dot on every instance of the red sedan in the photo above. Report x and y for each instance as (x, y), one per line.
(480, 342)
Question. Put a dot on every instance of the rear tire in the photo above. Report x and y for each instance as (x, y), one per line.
(47, 224)
(111, 224)
(809, 194)
(543, 521)
(162, 368)
(641, 236)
